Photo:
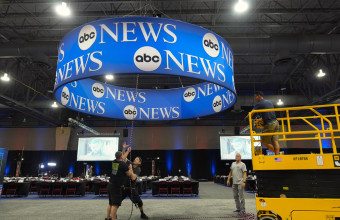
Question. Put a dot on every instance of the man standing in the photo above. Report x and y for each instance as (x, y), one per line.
(130, 187)
(89, 172)
(239, 172)
(118, 176)
(271, 125)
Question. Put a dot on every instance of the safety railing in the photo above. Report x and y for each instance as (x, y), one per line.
(332, 131)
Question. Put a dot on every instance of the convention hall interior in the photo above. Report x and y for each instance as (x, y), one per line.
(184, 113)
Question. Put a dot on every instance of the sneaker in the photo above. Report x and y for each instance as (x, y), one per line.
(242, 211)
(237, 210)
(143, 216)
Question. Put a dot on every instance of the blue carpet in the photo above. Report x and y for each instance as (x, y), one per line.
(92, 196)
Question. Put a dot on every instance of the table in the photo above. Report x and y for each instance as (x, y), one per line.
(23, 189)
(195, 187)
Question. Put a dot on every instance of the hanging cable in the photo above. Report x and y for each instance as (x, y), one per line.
(130, 142)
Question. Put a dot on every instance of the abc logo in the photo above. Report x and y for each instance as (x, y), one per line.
(210, 45)
(130, 112)
(87, 36)
(189, 94)
(98, 90)
(217, 104)
(65, 96)
(147, 59)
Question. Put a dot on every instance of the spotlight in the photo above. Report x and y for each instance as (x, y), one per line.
(321, 74)
(5, 77)
(109, 77)
(279, 102)
(52, 164)
(241, 6)
(54, 105)
(63, 10)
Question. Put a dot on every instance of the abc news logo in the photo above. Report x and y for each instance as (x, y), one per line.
(210, 45)
(65, 96)
(189, 94)
(98, 90)
(130, 112)
(87, 36)
(147, 59)
(217, 104)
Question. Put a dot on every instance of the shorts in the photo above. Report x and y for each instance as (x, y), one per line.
(115, 195)
(135, 198)
(271, 127)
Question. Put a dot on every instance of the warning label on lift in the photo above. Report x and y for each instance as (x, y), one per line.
(336, 159)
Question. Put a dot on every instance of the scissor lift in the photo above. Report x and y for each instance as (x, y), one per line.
(300, 186)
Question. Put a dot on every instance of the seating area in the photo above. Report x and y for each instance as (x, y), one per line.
(57, 188)
(64, 187)
(175, 186)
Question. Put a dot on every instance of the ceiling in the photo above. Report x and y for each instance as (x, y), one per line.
(279, 46)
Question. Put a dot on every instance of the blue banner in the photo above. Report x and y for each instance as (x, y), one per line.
(144, 45)
(3, 160)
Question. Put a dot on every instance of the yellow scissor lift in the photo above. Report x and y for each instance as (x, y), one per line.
(300, 186)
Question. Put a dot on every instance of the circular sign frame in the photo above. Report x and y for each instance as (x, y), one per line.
(144, 45)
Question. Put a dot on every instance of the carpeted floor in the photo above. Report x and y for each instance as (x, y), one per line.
(214, 201)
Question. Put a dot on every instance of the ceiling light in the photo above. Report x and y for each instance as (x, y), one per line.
(241, 6)
(5, 77)
(52, 164)
(279, 102)
(109, 77)
(63, 10)
(54, 105)
(321, 74)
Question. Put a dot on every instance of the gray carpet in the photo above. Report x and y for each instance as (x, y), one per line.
(216, 201)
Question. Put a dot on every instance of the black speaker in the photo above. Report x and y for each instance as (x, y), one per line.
(237, 130)
(125, 133)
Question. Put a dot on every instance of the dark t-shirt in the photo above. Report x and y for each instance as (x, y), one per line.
(118, 174)
(136, 171)
(266, 116)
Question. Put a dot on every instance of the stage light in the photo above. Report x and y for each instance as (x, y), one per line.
(109, 77)
(52, 164)
(54, 105)
(42, 166)
(63, 10)
(241, 6)
(321, 74)
(5, 77)
(279, 102)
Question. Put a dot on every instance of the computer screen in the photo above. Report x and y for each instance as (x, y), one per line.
(230, 145)
(97, 148)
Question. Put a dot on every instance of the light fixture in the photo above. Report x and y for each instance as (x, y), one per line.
(54, 105)
(42, 166)
(241, 6)
(63, 10)
(5, 77)
(279, 102)
(109, 77)
(321, 74)
(52, 164)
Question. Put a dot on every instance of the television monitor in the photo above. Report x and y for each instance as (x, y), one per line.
(97, 148)
(230, 145)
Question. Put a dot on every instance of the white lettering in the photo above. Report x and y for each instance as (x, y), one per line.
(180, 65)
(126, 31)
(107, 30)
(170, 33)
(97, 61)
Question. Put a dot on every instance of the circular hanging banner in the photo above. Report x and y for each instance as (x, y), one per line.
(144, 45)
